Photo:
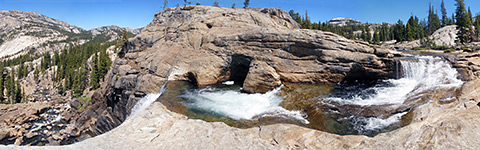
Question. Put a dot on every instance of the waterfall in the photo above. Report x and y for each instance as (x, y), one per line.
(146, 101)
(419, 74)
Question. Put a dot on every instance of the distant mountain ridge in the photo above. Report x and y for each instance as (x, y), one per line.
(22, 31)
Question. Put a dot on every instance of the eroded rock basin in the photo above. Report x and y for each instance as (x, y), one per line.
(434, 126)
(347, 108)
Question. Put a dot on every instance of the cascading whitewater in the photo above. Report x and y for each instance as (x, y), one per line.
(146, 101)
(239, 106)
(419, 74)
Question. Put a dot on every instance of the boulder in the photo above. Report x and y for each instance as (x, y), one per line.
(261, 78)
(18, 141)
(30, 135)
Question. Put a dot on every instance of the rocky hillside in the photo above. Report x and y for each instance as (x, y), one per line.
(37, 69)
(113, 32)
(258, 49)
(22, 31)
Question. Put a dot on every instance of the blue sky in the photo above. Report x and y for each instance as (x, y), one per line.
(137, 13)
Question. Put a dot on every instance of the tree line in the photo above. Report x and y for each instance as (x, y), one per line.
(414, 29)
(72, 71)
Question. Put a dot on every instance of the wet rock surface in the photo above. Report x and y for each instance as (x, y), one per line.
(434, 126)
(209, 45)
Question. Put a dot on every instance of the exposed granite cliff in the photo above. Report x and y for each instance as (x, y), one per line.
(257, 48)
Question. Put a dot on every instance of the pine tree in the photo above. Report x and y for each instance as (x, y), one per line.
(2, 83)
(445, 20)
(94, 74)
(215, 3)
(307, 24)
(56, 58)
(18, 93)
(20, 71)
(433, 21)
(46, 61)
(295, 16)
(123, 44)
(464, 23)
(24, 98)
(376, 37)
(411, 29)
(10, 86)
(35, 73)
(165, 4)
(470, 14)
(246, 3)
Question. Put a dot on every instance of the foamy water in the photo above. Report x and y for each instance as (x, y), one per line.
(421, 74)
(146, 101)
(374, 123)
(238, 106)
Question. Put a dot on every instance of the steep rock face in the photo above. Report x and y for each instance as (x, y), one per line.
(207, 45)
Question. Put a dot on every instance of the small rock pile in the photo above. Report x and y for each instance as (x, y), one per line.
(37, 123)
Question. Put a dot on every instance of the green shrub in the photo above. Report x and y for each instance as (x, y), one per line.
(188, 8)
(439, 47)
(85, 100)
(420, 48)
(448, 50)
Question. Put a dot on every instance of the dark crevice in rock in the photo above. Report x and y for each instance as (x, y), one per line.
(192, 78)
(209, 25)
(478, 104)
(367, 73)
(239, 68)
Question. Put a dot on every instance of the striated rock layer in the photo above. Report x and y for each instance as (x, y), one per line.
(256, 48)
